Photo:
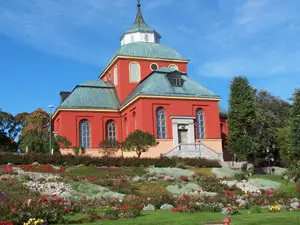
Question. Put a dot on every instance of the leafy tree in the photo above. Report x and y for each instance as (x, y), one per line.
(271, 113)
(242, 135)
(110, 147)
(10, 128)
(295, 126)
(139, 142)
(35, 133)
(284, 140)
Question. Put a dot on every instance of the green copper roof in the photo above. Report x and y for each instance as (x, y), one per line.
(147, 50)
(158, 84)
(96, 83)
(139, 24)
(92, 94)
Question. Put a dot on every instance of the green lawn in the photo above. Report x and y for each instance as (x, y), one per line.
(163, 217)
(202, 171)
(286, 186)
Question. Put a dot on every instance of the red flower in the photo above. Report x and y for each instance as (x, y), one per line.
(199, 192)
(174, 209)
(91, 178)
(54, 195)
(83, 197)
(122, 179)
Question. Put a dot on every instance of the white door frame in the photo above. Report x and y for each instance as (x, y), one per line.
(186, 122)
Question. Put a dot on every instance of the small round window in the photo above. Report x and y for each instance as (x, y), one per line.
(154, 66)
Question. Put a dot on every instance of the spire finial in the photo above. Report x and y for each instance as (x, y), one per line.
(139, 4)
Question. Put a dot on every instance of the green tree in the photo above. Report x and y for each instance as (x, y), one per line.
(10, 128)
(139, 142)
(35, 133)
(242, 135)
(284, 140)
(271, 113)
(295, 126)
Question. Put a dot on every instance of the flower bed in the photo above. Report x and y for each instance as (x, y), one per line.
(42, 168)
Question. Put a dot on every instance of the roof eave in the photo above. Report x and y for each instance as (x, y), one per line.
(139, 57)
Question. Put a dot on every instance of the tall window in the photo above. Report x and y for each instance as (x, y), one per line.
(126, 127)
(110, 130)
(84, 134)
(161, 123)
(134, 120)
(116, 75)
(146, 38)
(200, 123)
(135, 72)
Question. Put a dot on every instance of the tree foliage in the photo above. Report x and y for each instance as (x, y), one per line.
(272, 114)
(242, 135)
(35, 133)
(139, 142)
(295, 125)
(10, 128)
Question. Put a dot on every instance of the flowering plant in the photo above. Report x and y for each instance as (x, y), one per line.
(42, 168)
(130, 207)
(33, 221)
(9, 222)
(275, 208)
(7, 169)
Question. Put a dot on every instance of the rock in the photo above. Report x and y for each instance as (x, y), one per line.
(169, 178)
(149, 207)
(138, 179)
(152, 179)
(166, 207)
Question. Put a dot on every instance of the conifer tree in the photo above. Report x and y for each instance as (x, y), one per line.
(242, 135)
(296, 125)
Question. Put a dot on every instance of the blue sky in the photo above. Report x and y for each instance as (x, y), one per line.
(48, 46)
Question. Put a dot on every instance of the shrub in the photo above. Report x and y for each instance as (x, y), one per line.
(71, 160)
(255, 209)
(240, 176)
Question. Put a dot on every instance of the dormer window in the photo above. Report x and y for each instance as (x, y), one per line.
(176, 81)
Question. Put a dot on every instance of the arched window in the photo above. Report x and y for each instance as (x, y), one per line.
(116, 75)
(110, 130)
(126, 127)
(146, 38)
(84, 134)
(174, 67)
(134, 72)
(161, 123)
(134, 120)
(200, 123)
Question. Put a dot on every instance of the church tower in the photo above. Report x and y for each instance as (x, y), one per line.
(140, 31)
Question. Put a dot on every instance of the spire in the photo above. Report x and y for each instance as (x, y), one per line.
(140, 31)
(139, 20)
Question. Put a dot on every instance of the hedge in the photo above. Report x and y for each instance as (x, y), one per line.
(71, 160)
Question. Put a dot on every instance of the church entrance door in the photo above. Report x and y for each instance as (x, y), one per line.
(183, 136)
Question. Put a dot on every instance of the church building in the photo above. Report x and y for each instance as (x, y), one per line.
(144, 86)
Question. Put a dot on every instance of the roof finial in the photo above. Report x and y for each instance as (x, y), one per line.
(139, 4)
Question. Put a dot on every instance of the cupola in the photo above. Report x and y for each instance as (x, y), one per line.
(140, 31)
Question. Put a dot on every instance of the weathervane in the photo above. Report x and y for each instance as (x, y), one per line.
(139, 3)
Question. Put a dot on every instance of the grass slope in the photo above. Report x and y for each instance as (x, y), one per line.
(285, 187)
